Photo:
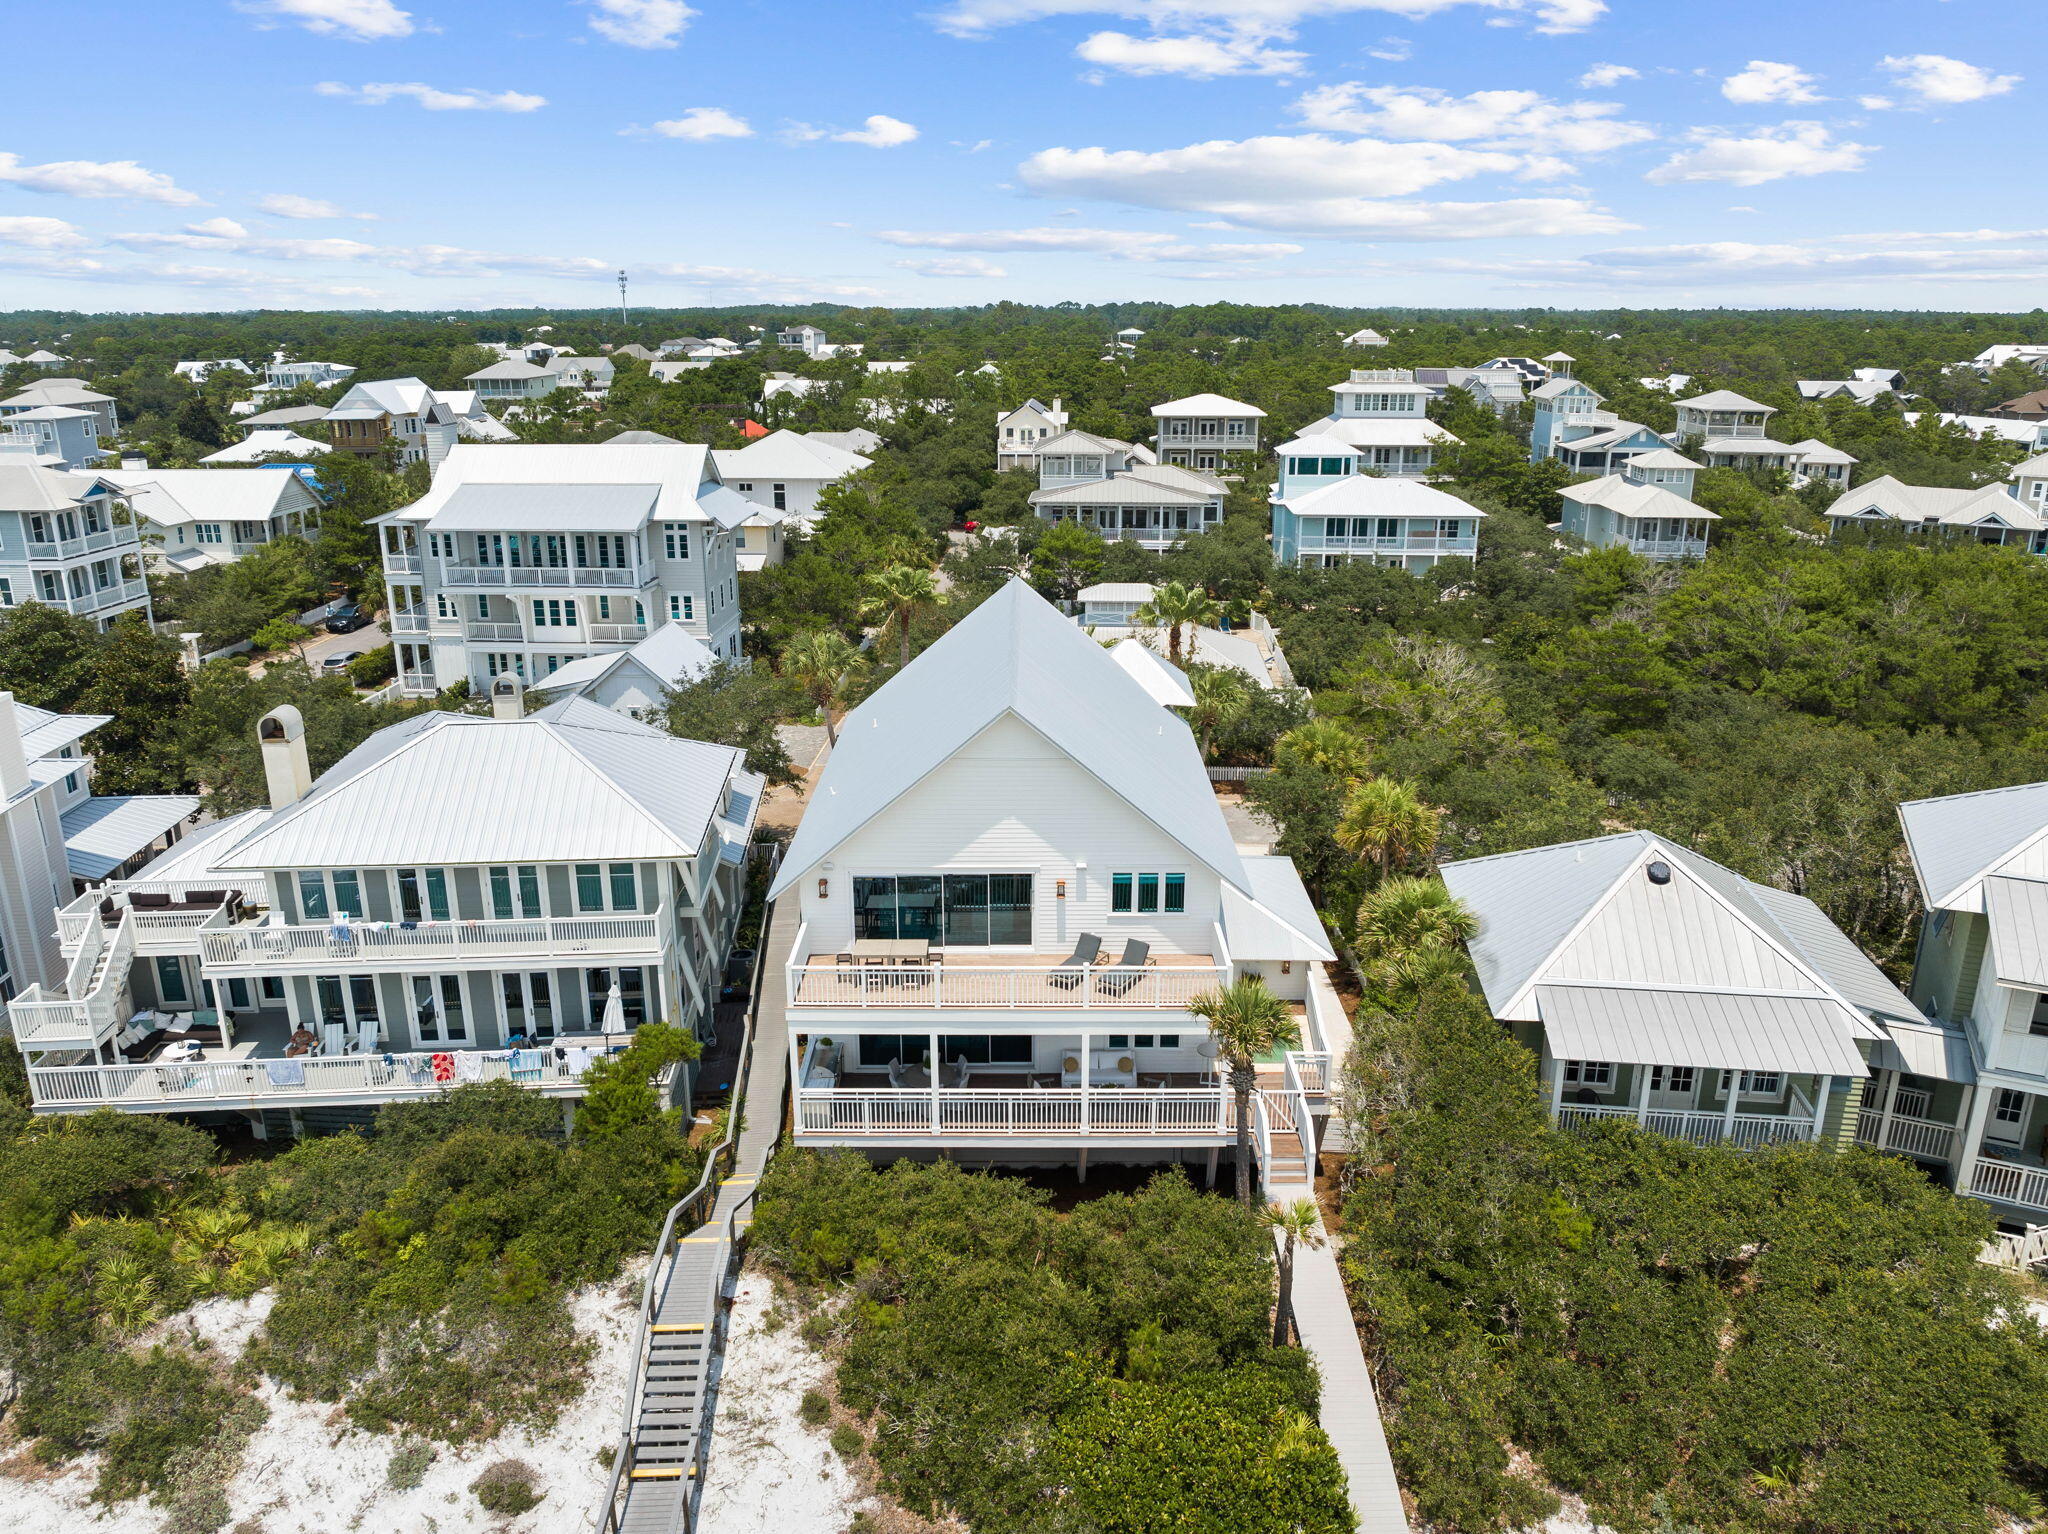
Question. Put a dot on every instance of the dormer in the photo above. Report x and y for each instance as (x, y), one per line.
(1380, 392)
(1078, 457)
(1664, 468)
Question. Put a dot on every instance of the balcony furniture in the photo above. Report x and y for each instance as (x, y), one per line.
(1136, 956)
(1068, 972)
(1208, 1050)
(892, 950)
(1070, 1071)
(896, 1073)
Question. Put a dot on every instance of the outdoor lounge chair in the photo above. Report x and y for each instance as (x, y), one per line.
(896, 1073)
(1136, 956)
(1068, 972)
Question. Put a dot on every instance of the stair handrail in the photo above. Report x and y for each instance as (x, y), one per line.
(665, 1250)
(1304, 1123)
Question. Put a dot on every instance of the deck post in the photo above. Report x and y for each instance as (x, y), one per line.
(1556, 1088)
(1086, 1121)
(1642, 1096)
(1822, 1087)
(936, 1066)
(1081, 1165)
(1973, 1134)
(1884, 1118)
(1728, 1112)
(1214, 1152)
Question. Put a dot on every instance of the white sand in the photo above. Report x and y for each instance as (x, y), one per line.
(769, 1473)
(307, 1472)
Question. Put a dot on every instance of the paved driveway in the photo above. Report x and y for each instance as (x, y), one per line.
(320, 646)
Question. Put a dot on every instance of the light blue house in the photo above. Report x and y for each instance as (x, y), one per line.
(1383, 521)
(68, 540)
(1560, 403)
(1585, 451)
(1646, 507)
(55, 436)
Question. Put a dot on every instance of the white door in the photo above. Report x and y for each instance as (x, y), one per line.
(1673, 1086)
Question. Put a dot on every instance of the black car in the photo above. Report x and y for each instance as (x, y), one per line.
(346, 618)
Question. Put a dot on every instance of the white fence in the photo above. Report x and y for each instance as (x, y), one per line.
(354, 942)
(1749, 1131)
(1909, 1136)
(366, 1078)
(2008, 1182)
(893, 987)
(1047, 1111)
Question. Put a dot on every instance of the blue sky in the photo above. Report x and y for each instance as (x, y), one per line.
(443, 154)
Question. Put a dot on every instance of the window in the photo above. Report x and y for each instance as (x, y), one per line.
(781, 497)
(676, 541)
(437, 1010)
(632, 983)
(1148, 892)
(2009, 1107)
(625, 893)
(515, 891)
(170, 979)
(953, 910)
(483, 609)
(589, 887)
(878, 1049)
(1143, 1041)
(554, 612)
(422, 894)
(1318, 466)
(1589, 1073)
(312, 895)
(209, 532)
(1757, 1083)
(1672, 1078)
(682, 608)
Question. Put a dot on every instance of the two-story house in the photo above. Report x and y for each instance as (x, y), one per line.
(1366, 337)
(55, 436)
(1989, 513)
(1656, 986)
(1011, 880)
(197, 372)
(1647, 507)
(1733, 432)
(458, 899)
(195, 517)
(634, 681)
(1818, 463)
(280, 376)
(1205, 431)
(1115, 489)
(521, 559)
(259, 445)
(293, 418)
(1381, 417)
(514, 380)
(69, 541)
(2028, 482)
(1585, 448)
(785, 470)
(1562, 409)
(1326, 514)
(1019, 431)
(66, 394)
(403, 409)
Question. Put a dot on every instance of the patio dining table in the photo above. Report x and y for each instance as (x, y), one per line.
(891, 950)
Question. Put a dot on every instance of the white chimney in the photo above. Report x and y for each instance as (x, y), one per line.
(132, 462)
(508, 698)
(286, 769)
(13, 760)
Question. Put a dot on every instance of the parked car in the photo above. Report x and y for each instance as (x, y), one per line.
(346, 618)
(335, 665)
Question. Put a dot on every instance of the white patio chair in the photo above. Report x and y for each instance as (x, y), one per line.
(896, 1073)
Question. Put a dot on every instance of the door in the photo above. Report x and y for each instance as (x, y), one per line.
(529, 1003)
(1673, 1086)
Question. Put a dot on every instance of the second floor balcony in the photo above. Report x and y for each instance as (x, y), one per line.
(57, 550)
(95, 599)
(1417, 542)
(548, 577)
(271, 946)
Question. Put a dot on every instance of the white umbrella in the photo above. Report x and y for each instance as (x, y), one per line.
(615, 1011)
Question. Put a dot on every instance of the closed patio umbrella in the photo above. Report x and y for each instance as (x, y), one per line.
(615, 1011)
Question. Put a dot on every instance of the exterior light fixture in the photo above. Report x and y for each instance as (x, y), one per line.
(824, 888)
(1059, 889)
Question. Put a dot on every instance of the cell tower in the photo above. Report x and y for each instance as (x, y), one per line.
(622, 298)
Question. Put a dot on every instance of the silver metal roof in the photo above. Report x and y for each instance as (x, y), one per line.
(1277, 920)
(1528, 902)
(1942, 1054)
(2018, 909)
(1715, 1030)
(534, 508)
(1015, 654)
(102, 834)
(1957, 837)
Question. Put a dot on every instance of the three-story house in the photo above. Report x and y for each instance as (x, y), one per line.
(1117, 490)
(69, 541)
(1206, 431)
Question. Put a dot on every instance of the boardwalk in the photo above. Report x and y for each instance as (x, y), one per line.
(1350, 1409)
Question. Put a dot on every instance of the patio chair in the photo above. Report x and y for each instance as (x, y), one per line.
(961, 1070)
(896, 1073)
(1066, 974)
(1136, 956)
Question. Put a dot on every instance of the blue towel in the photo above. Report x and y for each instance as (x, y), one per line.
(285, 1073)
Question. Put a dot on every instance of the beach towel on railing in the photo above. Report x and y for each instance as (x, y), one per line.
(469, 1066)
(444, 1067)
(285, 1073)
(526, 1064)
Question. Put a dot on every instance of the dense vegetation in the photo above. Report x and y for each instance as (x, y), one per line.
(420, 1272)
(1104, 1371)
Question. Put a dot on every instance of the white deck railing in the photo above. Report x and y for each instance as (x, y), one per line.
(1748, 1131)
(354, 942)
(87, 1011)
(545, 575)
(981, 1111)
(2008, 1182)
(1910, 1136)
(896, 987)
(351, 1078)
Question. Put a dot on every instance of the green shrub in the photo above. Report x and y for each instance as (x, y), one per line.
(848, 1441)
(409, 1462)
(815, 1408)
(506, 1488)
(373, 668)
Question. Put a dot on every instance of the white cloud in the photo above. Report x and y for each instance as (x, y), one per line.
(41, 233)
(952, 266)
(1198, 58)
(1938, 81)
(1493, 119)
(219, 229)
(1395, 50)
(1123, 244)
(1876, 103)
(96, 178)
(1763, 81)
(640, 23)
(433, 98)
(1794, 263)
(292, 205)
(1600, 76)
(421, 260)
(699, 124)
(1769, 154)
(879, 132)
(238, 281)
(359, 21)
(1266, 19)
(740, 282)
(1313, 184)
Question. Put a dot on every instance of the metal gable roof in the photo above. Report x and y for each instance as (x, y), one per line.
(172, 496)
(1625, 498)
(573, 782)
(1529, 902)
(1722, 399)
(1367, 495)
(1207, 404)
(1015, 655)
(100, 834)
(1277, 920)
(523, 508)
(44, 733)
(2018, 909)
(787, 454)
(1715, 1030)
(1163, 681)
(1954, 839)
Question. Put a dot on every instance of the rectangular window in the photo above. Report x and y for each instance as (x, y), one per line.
(348, 895)
(1148, 892)
(422, 894)
(1589, 1073)
(1119, 892)
(682, 608)
(515, 891)
(953, 910)
(209, 532)
(676, 540)
(1671, 1078)
(1142, 892)
(2009, 1107)
(312, 895)
(1176, 893)
(589, 887)
(170, 980)
(625, 893)
(632, 983)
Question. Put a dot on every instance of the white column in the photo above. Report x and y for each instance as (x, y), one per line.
(1728, 1113)
(1973, 1133)
(1643, 1095)
(1884, 1120)
(1082, 1056)
(1556, 1088)
(935, 1065)
(1822, 1087)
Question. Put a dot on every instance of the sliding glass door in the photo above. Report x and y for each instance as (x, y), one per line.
(950, 910)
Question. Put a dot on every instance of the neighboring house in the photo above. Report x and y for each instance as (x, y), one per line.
(668, 371)
(2029, 482)
(293, 418)
(1603, 451)
(775, 384)
(70, 541)
(1163, 681)
(1994, 357)
(1646, 507)
(1379, 421)
(1115, 489)
(281, 376)
(1670, 383)
(888, 367)
(2032, 435)
(636, 350)
(2028, 407)
(1203, 431)
(372, 414)
(636, 681)
(1112, 604)
(1010, 799)
(1019, 431)
(803, 338)
(1864, 391)
(1365, 338)
(44, 358)
(592, 375)
(522, 559)
(785, 470)
(1530, 369)
(58, 835)
(55, 436)
(192, 518)
(859, 440)
(457, 899)
(1732, 431)
(1113, 610)
(1654, 985)
(1817, 462)
(1564, 409)
(1325, 519)
(1990, 513)
(514, 380)
(66, 394)
(1499, 389)
(198, 372)
(262, 444)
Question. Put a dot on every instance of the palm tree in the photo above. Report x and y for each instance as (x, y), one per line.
(1221, 698)
(1298, 1221)
(1385, 822)
(1246, 1020)
(1175, 606)
(897, 598)
(826, 665)
(1409, 929)
(1328, 744)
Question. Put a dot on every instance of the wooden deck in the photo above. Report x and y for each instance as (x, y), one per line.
(954, 979)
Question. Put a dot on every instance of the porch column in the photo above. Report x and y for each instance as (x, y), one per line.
(1728, 1113)
(1884, 1118)
(1556, 1088)
(1082, 1056)
(1642, 1096)
(936, 1064)
(796, 1067)
(1823, 1086)
(1973, 1134)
